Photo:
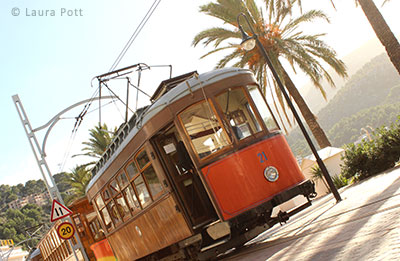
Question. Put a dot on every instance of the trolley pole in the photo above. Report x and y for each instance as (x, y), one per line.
(44, 168)
(291, 106)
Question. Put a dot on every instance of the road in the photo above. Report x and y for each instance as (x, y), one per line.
(364, 226)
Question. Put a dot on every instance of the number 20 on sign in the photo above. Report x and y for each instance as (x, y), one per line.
(65, 230)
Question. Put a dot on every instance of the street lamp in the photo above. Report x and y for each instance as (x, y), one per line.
(248, 43)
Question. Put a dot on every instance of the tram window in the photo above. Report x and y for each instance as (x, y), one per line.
(106, 194)
(122, 206)
(235, 106)
(142, 159)
(99, 202)
(152, 180)
(106, 218)
(132, 170)
(262, 107)
(143, 193)
(204, 129)
(114, 188)
(114, 212)
(122, 180)
(132, 199)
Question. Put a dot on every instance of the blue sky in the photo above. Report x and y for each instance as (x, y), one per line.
(49, 61)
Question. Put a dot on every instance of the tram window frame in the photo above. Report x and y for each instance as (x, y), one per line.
(134, 170)
(221, 125)
(258, 110)
(239, 118)
(117, 206)
(119, 198)
(101, 209)
(133, 178)
(124, 186)
(114, 212)
(107, 225)
(143, 168)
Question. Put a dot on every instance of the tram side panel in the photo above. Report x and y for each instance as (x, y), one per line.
(158, 227)
(238, 182)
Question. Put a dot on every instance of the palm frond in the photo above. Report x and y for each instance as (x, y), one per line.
(216, 35)
(218, 49)
(310, 16)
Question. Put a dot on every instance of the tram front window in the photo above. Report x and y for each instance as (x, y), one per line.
(262, 107)
(204, 129)
(238, 113)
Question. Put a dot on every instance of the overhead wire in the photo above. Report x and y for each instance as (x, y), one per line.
(85, 110)
(135, 34)
(72, 139)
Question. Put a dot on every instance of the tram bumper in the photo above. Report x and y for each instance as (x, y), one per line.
(250, 224)
(262, 213)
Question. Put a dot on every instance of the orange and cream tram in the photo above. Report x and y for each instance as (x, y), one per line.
(197, 172)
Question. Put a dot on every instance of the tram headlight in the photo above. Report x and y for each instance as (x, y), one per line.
(271, 174)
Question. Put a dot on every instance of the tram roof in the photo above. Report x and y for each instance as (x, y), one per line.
(147, 113)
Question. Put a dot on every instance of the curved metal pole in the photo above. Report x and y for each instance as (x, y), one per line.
(56, 118)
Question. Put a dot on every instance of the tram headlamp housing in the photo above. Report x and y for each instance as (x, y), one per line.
(271, 174)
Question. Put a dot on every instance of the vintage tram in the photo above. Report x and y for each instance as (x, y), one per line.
(85, 221)
(197, 172)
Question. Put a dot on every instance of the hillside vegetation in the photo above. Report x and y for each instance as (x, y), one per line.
(18, 224)
(369, 98)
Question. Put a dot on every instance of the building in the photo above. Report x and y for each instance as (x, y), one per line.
(331, 157)
(39, 199)
(12, 253)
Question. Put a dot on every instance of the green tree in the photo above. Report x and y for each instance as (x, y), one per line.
(317, 175)
(281, 37)
(61, 180)
(34, 186)
(79, 178)
(101, 137)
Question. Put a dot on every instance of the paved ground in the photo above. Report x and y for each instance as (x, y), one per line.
(364, 226)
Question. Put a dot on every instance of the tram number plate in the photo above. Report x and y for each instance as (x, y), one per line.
(65, 230)
(262, 157)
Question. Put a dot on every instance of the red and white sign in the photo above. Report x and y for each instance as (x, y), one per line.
(59, 211)
(65, 230)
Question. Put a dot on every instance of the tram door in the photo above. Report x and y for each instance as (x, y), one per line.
(184, 176)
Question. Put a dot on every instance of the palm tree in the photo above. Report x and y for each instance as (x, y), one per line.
(382, 31)
(78, 179)
(317, 175)
(281, 37)
(101, 137)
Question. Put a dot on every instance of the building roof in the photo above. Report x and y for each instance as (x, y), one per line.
(324, 154)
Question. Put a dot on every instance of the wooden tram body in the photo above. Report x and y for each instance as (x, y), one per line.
(87, 226)
(197, 172)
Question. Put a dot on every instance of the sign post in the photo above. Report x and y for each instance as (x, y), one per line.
(65, 230)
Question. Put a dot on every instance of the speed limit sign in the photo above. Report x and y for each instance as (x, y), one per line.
(65, 230)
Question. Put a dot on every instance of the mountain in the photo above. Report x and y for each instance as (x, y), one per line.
(354, 61)
(369, 98)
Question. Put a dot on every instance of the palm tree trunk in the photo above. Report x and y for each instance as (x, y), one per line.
(382, 31)
(309, 117)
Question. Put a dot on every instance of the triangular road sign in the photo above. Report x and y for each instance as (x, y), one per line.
(59, 211)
